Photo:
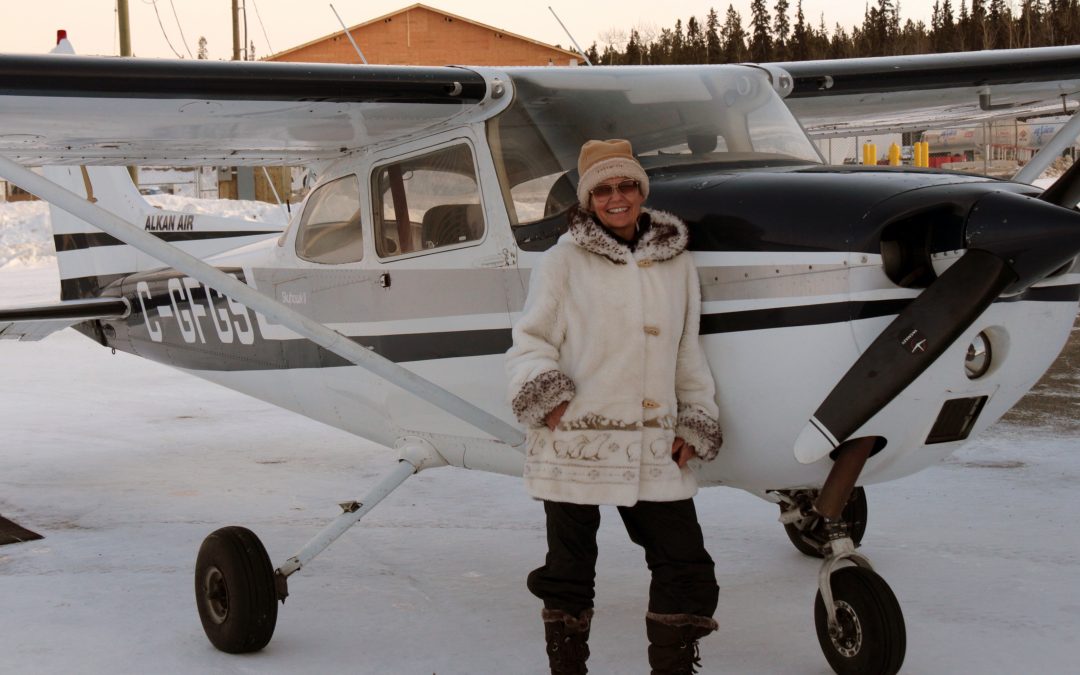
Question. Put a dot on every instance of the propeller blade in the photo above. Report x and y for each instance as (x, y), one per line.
(907, 347)
(1012, 242)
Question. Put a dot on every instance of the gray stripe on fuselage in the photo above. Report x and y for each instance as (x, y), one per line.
(757, 282)
(348, 296)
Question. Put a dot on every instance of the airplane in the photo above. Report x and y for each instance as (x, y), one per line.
(861, 322)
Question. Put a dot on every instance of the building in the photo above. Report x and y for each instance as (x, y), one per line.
(419, 35)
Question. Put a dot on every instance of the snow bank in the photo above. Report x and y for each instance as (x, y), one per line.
(26, 233)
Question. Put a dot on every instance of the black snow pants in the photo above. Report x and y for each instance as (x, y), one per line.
(683, 578)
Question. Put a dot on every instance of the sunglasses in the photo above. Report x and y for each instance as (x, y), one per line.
(607, 190)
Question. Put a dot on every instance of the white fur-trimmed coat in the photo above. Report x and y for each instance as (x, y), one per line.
(615, 333)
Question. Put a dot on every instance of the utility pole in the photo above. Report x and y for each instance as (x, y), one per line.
(124, 31)
(124, 26)
(235, 30)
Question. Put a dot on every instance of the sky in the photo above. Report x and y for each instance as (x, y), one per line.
(277, 25)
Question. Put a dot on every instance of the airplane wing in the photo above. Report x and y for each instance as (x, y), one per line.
(36, 323)
(846, 97)
(61, 109)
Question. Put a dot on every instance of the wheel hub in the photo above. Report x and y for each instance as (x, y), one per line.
(216, 595)
(846, 635)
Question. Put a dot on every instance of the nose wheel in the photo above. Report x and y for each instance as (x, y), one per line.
(867, 634)
(235, 591)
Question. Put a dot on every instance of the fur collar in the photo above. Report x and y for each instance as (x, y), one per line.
(665, 238)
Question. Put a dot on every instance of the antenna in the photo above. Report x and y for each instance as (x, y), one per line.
(348, 34)
(580, 51)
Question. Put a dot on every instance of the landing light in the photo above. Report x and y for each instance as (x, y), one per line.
(977, 361)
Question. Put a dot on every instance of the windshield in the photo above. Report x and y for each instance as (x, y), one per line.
(670, 114)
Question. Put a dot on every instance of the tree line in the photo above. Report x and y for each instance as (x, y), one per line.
(783, 34)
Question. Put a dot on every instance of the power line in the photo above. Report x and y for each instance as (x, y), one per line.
(162, 26)
(180, 28)
(259, 17)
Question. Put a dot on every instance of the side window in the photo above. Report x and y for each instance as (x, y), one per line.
(330, 229)
(427, 202)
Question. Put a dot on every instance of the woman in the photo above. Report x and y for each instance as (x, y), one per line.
(607, 372)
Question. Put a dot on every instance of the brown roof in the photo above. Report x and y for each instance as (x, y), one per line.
(420, 5)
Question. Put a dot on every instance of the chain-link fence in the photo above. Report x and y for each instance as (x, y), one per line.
(998, 148)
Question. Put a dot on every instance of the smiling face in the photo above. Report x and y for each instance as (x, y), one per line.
(619, 211)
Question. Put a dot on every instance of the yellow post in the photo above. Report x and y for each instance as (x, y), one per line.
(918, 154)
(926, 154)
(894, 155)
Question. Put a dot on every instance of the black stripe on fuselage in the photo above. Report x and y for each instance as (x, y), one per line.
(408, 347)
(799, 315)
(66, 243)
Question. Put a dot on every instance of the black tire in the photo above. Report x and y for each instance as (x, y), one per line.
(809, 542)
(872, 639)
(235, 592)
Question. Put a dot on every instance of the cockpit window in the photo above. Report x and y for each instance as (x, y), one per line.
(330, 230)
(427, 201)
(672, 115)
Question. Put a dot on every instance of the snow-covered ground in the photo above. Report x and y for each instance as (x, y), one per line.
(125, 465)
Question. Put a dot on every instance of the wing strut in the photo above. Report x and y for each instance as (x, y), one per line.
(327, 338)
(1061, 141)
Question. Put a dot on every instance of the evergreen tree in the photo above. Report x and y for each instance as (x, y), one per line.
(819, 40)
(946, 40)
(678, 44)
(841, 46)
(635, 55)
(592, 55)
(963, 29)
(801, 38)
(713, 46)
(1000, 26)
(977, 29)
(1028, 30)
(761, 46)
(781, 31)
(660, 51)
(695, 42)
(734, 37)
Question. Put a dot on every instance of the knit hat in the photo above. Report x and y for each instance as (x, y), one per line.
(601, 160)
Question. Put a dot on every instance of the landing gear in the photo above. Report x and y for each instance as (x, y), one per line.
(868, 635)
(234, 590)
(859, 623)
(805, 528)
(236, 587)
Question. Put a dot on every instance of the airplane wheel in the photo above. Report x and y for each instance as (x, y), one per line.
(871, 639)
(808, 538)
(234, 590)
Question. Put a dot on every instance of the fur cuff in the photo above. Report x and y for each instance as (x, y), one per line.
(540, 395)
(706, 622)
(697, 428)
(578, 623)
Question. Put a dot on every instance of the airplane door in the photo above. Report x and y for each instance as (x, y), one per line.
(445, 266)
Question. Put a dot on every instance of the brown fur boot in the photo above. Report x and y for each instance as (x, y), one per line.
(673, 646)
(567, 641)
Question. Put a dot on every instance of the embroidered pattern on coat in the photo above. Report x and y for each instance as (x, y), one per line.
(597, 422)
(588, 447)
